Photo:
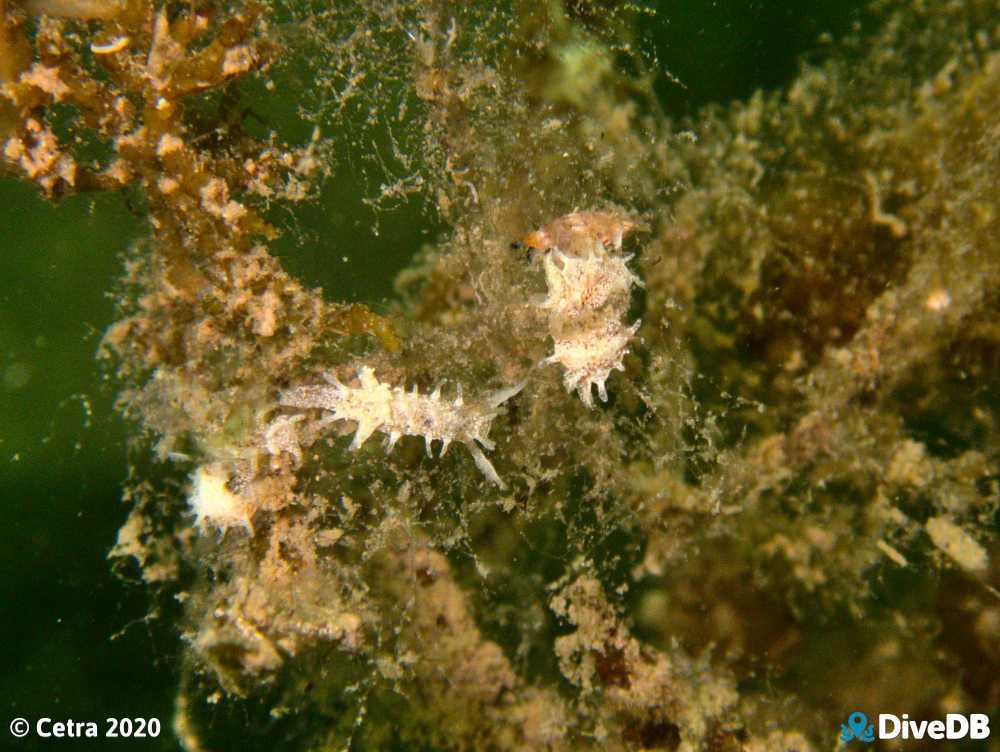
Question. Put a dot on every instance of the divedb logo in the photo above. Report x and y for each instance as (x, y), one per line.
(954, 726)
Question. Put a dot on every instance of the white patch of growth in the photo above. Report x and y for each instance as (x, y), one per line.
(214, 504)
(957, 544)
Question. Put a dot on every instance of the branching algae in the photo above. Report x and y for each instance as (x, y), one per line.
(796, 459)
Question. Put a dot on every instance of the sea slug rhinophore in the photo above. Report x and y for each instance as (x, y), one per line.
(391, 410)
(589, 291)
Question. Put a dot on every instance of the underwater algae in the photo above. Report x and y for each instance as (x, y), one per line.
(784, 512)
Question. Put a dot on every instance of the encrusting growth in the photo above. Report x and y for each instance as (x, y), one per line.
(376, 406)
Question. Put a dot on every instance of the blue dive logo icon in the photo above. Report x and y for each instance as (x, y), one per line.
(858, 729)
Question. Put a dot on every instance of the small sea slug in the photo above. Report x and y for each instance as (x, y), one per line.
(395, 412)
(589, 291)
(576, 232)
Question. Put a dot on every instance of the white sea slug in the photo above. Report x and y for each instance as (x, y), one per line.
(587, 297)
(391, 410)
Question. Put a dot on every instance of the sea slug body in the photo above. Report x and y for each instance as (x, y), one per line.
(375, 406)
(589, 291)
(589, 354)
(580, 285)
(575, 232)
